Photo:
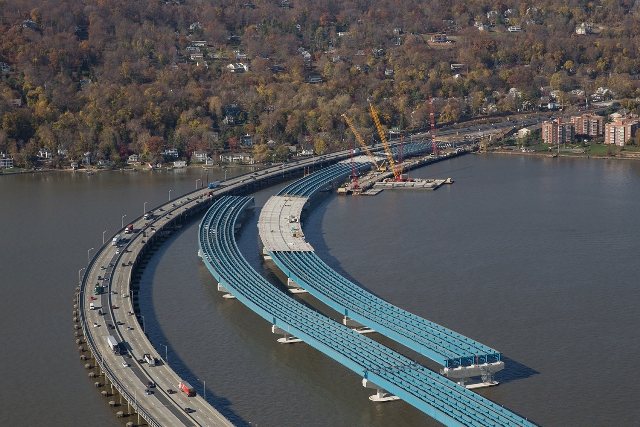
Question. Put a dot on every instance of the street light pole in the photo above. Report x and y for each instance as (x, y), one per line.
(103, 236)
(169, 195)
(225, 174)
(204, 389)
(166, 353)
(79, 271)
(144, 326)
(122, 225)
(88, 258)
(145, 208)
(197, 183)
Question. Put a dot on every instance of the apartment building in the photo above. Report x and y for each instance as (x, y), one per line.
(557, 132)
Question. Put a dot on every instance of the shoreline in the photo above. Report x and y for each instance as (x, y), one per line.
(138, 169)
(583, 156)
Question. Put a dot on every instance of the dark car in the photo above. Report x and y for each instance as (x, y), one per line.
(151, 384)
(147, 391)
(170, 391)
(188, 410)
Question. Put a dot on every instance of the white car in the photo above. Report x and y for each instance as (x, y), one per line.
(125, 365)
(117, 251)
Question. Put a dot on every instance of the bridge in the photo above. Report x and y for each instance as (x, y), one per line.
(112, 312)
(284, 243)
(379, 366)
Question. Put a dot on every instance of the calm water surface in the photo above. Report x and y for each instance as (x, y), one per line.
(535, 257)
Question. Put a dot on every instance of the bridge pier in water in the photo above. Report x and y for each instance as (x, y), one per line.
(381, 394)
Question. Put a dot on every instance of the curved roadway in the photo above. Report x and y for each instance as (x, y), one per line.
(433, 394)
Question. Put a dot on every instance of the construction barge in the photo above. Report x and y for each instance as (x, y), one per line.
(374, 182)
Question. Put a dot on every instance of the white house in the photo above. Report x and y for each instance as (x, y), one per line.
(237, 158)
(133, 159)
(180, 164)
(171, 152)
(45, 154)
(199, 156)
(238, 67)
(5, 161)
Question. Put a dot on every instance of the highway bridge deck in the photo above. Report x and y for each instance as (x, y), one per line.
(440, 344)
(431, 393)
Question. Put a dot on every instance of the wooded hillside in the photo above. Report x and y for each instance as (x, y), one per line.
(120, 77)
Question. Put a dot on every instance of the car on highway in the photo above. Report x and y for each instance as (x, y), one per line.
(188, 410)
(147, 391)
(170, 391)
(151, 384)
(125, 364)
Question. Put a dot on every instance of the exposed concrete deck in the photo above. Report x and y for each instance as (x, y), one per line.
(279, 224)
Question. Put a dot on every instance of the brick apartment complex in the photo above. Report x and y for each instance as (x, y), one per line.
(619, 132)
(557, 132)
(588, 124)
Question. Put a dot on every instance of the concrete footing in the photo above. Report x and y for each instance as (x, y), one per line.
(356, 326)
(287, 339)
(381, 394)
(228, 295)
(294, 288)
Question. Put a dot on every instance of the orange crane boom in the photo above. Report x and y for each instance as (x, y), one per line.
(383, 138)
(360, 140)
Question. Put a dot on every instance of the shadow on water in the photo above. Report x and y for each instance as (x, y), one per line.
(514, 371)
(312, 227)
(156, 335)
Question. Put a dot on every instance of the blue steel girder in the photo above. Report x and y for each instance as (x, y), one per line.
(431, 393)
(434, 341)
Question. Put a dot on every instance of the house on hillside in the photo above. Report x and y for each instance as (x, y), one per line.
(237, 158)
(238, 67)
(170, 152)
(5, 161)
(45, 154)
(246, 141)
(86, 158)
(133, 159)
(199, 157)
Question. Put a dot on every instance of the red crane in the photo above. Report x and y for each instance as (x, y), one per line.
(434, 146)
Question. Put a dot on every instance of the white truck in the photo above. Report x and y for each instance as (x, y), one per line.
(113, 344)
(116, 240)
(151, 361)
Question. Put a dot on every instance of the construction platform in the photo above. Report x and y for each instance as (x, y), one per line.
(418, 184)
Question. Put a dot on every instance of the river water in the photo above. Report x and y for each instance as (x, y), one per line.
(533, 256)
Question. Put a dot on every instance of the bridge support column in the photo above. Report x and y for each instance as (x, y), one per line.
(356, 326)
(266, 255)
(228, 295)
(294, 288)
(288, 338)
(381, 394)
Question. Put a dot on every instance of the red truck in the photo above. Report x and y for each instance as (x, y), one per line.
(129, 229)
(186, 387)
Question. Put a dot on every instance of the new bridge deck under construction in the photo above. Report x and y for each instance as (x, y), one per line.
(284, 242)
(437, 396)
